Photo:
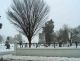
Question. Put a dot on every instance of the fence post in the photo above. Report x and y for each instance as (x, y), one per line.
(36, 45)
(25, 44)
(76, 44)
(54, 44)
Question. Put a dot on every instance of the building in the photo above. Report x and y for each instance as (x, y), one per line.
(41, 38)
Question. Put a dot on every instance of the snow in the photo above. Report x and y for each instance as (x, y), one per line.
(39, 58)
(3, 48)
(35, 58)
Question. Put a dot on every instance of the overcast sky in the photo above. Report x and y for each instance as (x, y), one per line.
(61, 11)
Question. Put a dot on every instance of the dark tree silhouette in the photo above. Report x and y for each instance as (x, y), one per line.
(29, 16)
(0, 24)
(7, 43)
(1, 38)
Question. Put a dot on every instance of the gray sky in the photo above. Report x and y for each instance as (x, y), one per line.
(65, 12)
(61, 11)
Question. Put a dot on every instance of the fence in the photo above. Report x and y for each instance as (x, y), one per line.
(54, 45)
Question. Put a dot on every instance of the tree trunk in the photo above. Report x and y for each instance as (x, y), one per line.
(60, 44)
(29, 43)
(29, 40)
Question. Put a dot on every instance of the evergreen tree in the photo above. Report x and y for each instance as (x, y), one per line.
(48, 30)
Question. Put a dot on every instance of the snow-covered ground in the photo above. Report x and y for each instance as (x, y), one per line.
(34, 58)
(3, 48)
(39, 58)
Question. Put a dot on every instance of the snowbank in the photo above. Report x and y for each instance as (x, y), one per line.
(40, 58)
(3, 48)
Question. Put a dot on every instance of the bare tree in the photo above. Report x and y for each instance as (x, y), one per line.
(18, 37)
(64, 34)
(29, 16)
(75, 35)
